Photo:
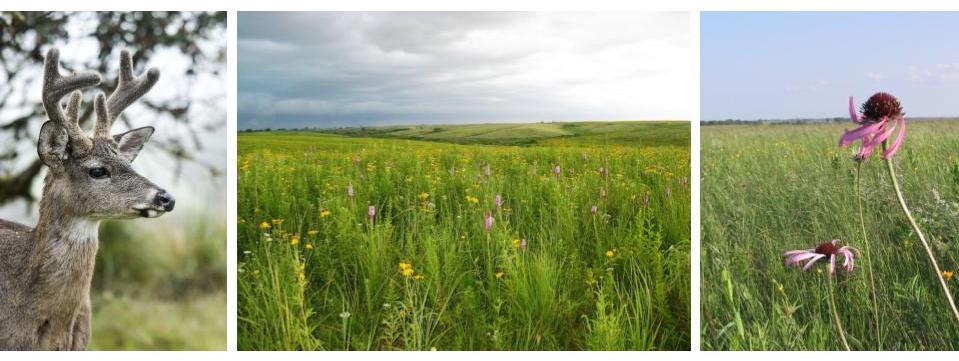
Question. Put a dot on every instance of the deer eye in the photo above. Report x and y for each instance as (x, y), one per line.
(99, 173)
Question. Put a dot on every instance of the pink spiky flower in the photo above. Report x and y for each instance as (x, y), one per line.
(488, 220)
(349, 190)
(372, 214)
(557, 171)
(498, 201)
(593, 210)
(880, 116)
(823, 250)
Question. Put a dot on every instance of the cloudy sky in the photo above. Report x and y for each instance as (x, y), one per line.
(806, 65)
(339, 69)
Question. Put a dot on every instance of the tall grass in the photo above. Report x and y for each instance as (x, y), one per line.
(315, 274)
(771, 188)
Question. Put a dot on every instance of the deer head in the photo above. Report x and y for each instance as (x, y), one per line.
(91, 176)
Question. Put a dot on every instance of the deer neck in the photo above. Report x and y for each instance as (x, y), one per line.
(66, 247)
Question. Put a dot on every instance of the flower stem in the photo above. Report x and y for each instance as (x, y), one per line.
(835, 314)
(865, 238)
(915, 227)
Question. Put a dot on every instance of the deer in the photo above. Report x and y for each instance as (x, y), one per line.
(46, 271)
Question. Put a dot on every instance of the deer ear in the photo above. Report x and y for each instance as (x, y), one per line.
(130, 143)
(53, 144)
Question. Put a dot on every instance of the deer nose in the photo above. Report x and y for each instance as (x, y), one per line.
(165, 200)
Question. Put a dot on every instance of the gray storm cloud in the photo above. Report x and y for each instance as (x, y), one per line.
(337, 69)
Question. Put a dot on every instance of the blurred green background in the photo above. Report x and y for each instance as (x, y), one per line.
(160, 284)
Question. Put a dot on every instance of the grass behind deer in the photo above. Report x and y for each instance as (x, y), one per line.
(161, 284)
(317, 273)
(767, 189)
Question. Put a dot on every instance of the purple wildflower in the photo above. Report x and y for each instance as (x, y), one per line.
(593, 210)
(646, 199)
(372, 213)
(349, 190)
(488, 220)
(880, 117)
(820, 252)
(557, 171)
(498, 201)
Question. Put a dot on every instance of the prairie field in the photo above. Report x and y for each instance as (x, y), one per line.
(767, 189)
(441, 265)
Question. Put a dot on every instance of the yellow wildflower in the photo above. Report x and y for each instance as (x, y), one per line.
(309, 246)
(947, 275)
(264, 225)
(324, 213)
(611, 253)
(277, 222)
(312, 232)
(418, 277)
(516, 243)
(406, 269)
(295, 240)
(499, 274)
(424, 196)
(781, 289)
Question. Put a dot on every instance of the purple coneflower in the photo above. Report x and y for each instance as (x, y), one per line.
(881, 115)
(372, 214)
(646, 199)
(820, 252)
(593, 210)
(488, 218)
(557, 171)
(349, 190)
(498, 201)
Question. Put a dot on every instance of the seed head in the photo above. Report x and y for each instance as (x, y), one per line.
(881, 105)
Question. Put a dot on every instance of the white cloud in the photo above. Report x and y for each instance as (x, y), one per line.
(311, 68)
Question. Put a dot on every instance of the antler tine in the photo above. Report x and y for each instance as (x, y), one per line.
(128, 90)
(55, 87)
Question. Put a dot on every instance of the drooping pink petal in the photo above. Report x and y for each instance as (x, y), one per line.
(798, 251)
(850, 261)
(882, 133)
(852, 135)
(813, 261)
(896, 143)
(832, 263)
(795, 259)
(852, 111)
